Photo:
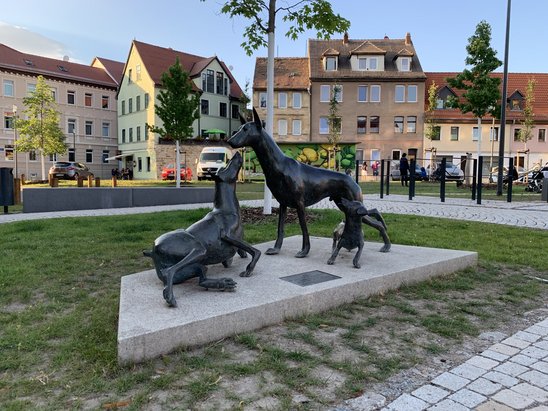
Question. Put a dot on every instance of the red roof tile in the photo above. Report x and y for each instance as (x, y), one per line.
(15, 61)
(114, 68)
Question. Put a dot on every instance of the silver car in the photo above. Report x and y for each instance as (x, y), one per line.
(69, 170)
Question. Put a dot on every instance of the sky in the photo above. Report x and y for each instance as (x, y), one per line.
(105, 28)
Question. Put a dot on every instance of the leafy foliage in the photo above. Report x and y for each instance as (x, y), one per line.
(526, 133)
(303, 15)
(481, 91)
(431, 130)
(334, 119)
(178, 106)
(40, 129)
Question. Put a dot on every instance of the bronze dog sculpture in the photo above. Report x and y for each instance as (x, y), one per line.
(297, 185)
(183, 254)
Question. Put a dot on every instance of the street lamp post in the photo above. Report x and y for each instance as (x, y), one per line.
(14, 109)
(74, 145)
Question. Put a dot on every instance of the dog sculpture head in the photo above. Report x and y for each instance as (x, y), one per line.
(229, 173)
(353, 207)
(249, 133)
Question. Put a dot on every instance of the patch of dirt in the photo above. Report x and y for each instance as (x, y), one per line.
(255, 215)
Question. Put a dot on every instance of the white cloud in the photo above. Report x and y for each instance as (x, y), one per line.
(27, 41)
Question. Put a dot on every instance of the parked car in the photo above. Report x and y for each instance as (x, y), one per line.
(420, 173)
(452, 173)
(493, 178)
(168, 172)
(69, 170)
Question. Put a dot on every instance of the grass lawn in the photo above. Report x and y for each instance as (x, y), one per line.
(59, 288)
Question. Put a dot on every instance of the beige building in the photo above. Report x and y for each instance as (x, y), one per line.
(380, 86)
(291, 97)
(220, 96)
(86, 100)
(459, 133)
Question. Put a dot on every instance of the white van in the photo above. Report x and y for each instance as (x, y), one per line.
(211, 160)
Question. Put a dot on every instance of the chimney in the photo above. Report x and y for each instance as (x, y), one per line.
(408, 39)
(386, 37)
(345, 38)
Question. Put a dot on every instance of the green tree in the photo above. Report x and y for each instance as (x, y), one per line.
(481, 90)
(334, 120)
(301, 15)
(526, 132)
(40, 130)
(432, 129)
(177, 108)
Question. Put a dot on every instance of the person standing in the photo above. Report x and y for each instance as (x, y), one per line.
(404, 169)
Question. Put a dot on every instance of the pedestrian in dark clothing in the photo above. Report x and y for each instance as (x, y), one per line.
(404, 169)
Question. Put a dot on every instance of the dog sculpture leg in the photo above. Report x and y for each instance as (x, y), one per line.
(382, 231)
(280, 238)
(356, 260)
(194, 256)
(255, 254)
(306, 238)
(334, 255)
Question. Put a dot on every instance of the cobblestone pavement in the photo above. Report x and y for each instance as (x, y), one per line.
(510, 375)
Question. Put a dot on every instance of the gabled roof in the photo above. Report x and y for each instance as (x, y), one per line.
(330, 52)
(405, 52)
(289, 73)
(115, 69)
(386, 48)
(516, 82)
(367, 48)
(158, 59)
(12, 60)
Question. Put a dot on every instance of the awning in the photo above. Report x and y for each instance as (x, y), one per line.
(125, 154)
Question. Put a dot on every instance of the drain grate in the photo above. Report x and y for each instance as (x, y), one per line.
(309, 278)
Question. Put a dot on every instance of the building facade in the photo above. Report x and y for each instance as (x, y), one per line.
(86, 100)
(220, 97)
(459, 133)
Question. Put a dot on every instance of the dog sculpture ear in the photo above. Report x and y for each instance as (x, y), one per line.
(256, 119)
(242, 119)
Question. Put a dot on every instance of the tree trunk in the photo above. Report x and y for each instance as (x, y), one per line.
(43, 163)
(178, 164)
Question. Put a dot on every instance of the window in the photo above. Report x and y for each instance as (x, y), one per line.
(475, 134)
(325, 92)
(204, 107)
(324, 125)
(398, 124)
(374, 124)
(105, 102)
(282, 100)
(71, 154)
(235, 111)
(362, 94)
(542, 135)
(297, 100)
(210, 81)
(396, 154)
(405, 63)
(8, 88)
(89, 128)
(336, 123)
(105, 156)
(8, 151)
(494, 134)
(53, 157)
(123, 107)
(225, 92)
(400, 94)
(454, 133)
(331, 63)
(282, 127)
(515, 104)
(440, 103)
(71, 97)
(411, 124)
(516, 134)
(338, 93)
(31, 88)
(146, 132)
(130, 105)
(105, 129)
(361, 124)
(138, 132)
(367, 63)
(138, 72)
(32, 155)
(54, 94)
(138, 103)
(131, 134)
(8, 122)
(262, 100)
(437, 133)
(89, 155)
(375, 96)
(87, 99)
(146, 100)
(296, 129)
(139, 164)
(148, 163)
(123, 135)
(222, 109)
(412, 94)
(373, 63)
(71, 125)
(219, 89)
(129, 79)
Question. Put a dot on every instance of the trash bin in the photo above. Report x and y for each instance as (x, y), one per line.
(7, 192)
(544, 194)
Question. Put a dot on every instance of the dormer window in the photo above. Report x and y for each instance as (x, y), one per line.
(405, 63)
(330, 63)
(444, 94)
(367, 63)
(515, 101)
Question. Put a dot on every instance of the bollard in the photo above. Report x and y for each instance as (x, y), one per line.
(412, 179)
(510, 179)
(23, 179)
(114, 181)
(480, 178)
(50, 180)
(17, 190)
(97, 181)
(442, 179)
(90, 181)
(382, 180)
(80, 182)
(54, 182)
(474, 178)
